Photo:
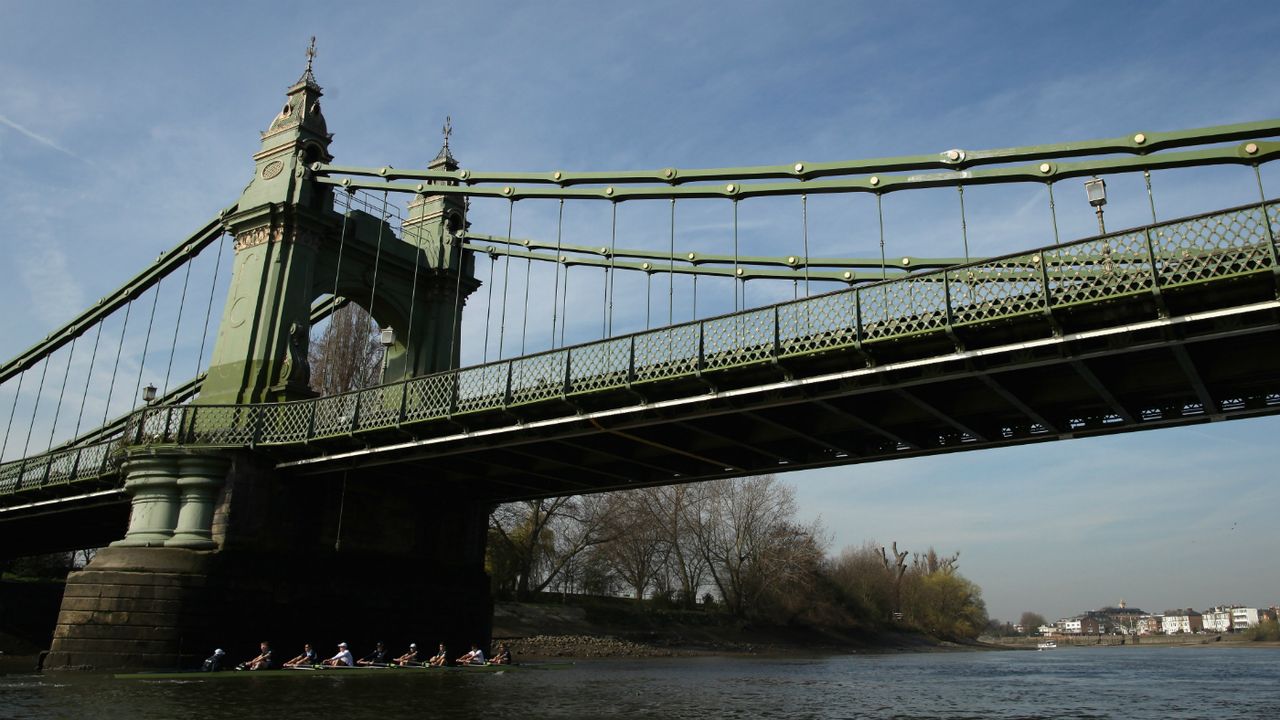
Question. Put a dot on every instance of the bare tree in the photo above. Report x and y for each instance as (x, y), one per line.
(346, 356)
(736, 527)
(898, 569)
(636, 549)
(538, 539)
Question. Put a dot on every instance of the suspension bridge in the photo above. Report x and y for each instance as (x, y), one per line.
(231, 498)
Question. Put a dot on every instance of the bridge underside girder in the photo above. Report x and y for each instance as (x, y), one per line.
(1139, 363)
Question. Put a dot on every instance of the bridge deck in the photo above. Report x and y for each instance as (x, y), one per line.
(1172, 323)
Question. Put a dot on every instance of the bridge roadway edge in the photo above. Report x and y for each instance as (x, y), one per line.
(293, 563)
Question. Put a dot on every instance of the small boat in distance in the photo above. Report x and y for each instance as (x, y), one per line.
(1046, 645)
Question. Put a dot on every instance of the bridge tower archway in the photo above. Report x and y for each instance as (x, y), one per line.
(223, 549)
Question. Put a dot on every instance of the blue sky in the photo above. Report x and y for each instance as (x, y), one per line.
(125, 126)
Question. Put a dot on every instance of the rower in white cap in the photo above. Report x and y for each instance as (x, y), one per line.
(342, 659)
(409, 657)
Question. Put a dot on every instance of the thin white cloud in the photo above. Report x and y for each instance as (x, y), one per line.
(41, 139)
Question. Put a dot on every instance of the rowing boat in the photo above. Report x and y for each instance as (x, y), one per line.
(339, 670)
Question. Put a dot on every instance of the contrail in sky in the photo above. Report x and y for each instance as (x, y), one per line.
(41, 139)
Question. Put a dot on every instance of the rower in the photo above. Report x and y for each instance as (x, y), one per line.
(409, 657)
(377, 657)
(440, 659)
(305, 658)
(503, 656)
(214, 662)
(474, 657)
(261, 662)
(342, 659)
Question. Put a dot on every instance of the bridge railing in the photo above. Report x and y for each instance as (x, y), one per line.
(1210, 247)
(63, 467)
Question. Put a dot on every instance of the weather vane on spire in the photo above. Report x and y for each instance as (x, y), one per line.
(447, 130)
(311, 52)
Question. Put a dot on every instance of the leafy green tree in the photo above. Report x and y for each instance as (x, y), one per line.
(1266, 630)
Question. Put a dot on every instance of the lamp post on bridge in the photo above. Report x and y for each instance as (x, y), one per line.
(1096, 190)
(386, 338)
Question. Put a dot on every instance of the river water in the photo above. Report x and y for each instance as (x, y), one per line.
(1126, 682)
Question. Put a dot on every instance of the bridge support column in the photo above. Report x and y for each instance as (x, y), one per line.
(199, 479)
(153, 483)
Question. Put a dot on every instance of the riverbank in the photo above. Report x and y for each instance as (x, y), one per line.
(627, 630)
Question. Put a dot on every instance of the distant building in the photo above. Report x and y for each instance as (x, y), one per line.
(1046, 630)
(1119, 620)
(1150, 625)
(1181, 621)
(1217, 619)
(1243, 618)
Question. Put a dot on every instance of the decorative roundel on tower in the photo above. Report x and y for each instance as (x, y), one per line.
(272, 169)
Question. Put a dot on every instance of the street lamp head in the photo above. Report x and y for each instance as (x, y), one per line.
(388, 337)
(1096, 189)
(149, 393)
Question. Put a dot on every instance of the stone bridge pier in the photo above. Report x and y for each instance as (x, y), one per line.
(221, 552)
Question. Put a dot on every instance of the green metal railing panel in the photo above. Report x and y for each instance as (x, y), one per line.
(1020, 290)
(1205, 248)
(378, 407)
(538, 377)
(599, 366)
(482, 388)
(1099, 269)
(333, 416)
(666, 353)
(429, 397)
(62, 467)
(220, 425)
(824, 322)
(736, 340)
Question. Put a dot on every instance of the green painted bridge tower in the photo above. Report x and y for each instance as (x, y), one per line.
(223, 550)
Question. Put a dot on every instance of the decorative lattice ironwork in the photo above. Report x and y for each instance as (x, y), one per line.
(217, 425)
(1099, 269)
(1212, 246)
(736, 340)
(334, 415)
(538, 377)
(666, 353)
(816, 324)
(429, 397)
(289, 422)
(379, 407)
(482, 388)
(599, 366)
(998, 289)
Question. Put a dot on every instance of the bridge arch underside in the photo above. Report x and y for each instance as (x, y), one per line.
(1196, 354)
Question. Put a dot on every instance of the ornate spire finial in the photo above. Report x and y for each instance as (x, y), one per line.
(311, 52)
(447, 130)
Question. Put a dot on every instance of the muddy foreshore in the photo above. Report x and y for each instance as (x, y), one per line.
(548, 631)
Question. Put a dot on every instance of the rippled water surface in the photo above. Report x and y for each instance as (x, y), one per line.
(1067, 683)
